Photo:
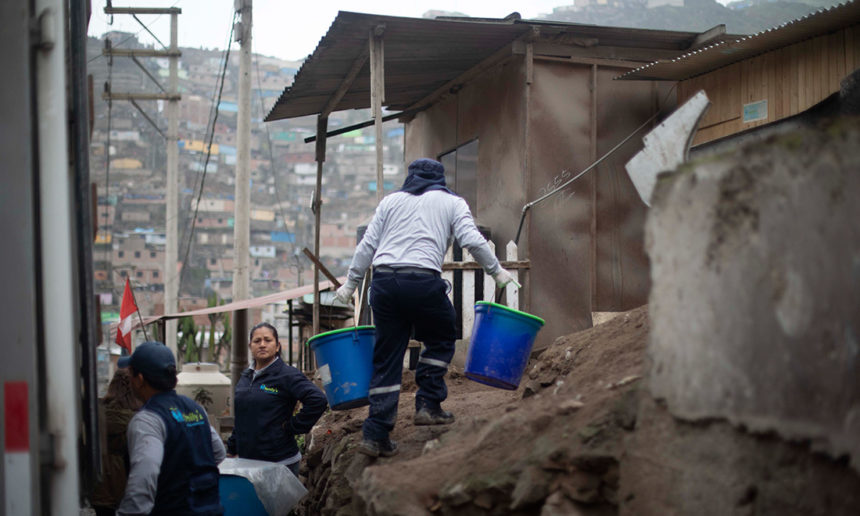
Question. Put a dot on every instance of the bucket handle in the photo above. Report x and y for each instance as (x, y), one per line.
(355, 315)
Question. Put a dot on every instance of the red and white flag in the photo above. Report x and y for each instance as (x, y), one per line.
(126, 317)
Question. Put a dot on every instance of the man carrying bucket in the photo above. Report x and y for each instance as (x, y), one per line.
(406, 242)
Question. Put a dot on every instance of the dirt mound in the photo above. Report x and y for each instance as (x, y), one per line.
(551, 447)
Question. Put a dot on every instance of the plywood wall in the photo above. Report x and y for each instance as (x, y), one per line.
(791, 79)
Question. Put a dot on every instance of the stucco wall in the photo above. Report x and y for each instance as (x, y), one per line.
(756, 300)
(531, 140)
(558, 230)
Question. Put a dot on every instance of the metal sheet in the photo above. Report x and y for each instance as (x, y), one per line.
(240, 305)
(423, 54)
(724, 53)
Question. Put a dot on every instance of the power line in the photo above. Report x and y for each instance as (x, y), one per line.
(136, 34)
(269, 141)
(109, 248)
(190, 238)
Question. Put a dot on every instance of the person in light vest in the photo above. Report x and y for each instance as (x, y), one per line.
(405, 243)
(174, 452)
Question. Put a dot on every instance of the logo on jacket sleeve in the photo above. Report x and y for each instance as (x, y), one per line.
(270, 390)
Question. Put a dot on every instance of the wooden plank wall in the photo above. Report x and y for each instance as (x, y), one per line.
(791, 79)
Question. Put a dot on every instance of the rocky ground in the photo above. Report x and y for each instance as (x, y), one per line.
(552, 447)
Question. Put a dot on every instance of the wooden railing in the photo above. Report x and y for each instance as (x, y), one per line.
(469, 293)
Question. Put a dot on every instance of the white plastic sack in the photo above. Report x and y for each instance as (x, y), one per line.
(276, 486)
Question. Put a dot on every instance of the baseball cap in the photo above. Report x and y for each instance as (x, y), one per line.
(153, 359)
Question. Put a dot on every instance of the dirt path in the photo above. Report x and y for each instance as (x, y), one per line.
(550, 447)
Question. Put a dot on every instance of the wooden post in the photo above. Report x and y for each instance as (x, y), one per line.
(322, 125)
(290, 330)
(468, 296)
(512, 292)
(377, 97)
(449, 274)
(489, 282)
(593, 158)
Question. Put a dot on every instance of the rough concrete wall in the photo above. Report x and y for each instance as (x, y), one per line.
(755, 303)
(490, 109)
(431, 132)
(558, 230)
(516, 168)
(710, 468)
(621, 267)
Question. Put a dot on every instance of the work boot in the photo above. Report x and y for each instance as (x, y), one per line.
(426, 416)
(386, 448)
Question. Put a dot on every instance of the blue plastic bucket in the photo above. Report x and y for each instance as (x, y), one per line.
(345, 364)
(238, 497)
(501, 342)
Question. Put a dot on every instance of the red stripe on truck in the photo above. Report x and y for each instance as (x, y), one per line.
(16, 416)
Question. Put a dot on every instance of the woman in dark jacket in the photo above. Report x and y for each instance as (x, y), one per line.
(266, 421)
(119, 405)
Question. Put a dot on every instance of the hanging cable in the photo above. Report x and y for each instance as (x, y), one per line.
(269, 142)
(611, 151)
(190, 237)
(136, 34)
(109, 246)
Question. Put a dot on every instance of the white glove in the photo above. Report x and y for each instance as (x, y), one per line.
(504, 277)
(344, 294)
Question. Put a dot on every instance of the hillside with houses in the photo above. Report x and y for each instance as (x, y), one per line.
(127, 155)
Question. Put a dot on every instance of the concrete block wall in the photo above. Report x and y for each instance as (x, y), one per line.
(755, 314)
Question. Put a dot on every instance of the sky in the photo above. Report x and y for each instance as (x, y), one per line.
(287, 29)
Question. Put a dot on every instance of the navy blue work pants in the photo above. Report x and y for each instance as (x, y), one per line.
(402, 301)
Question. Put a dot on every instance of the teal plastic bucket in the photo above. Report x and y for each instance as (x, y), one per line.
(502, 340)
(238, 497)
(345, 364)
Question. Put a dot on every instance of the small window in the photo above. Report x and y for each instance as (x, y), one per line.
(154, 274)
(152, 254)
(257, 262)
(121, 254)
(212, 261)
(220, 221)
(137, 254)
(123, 273)
(139, 274)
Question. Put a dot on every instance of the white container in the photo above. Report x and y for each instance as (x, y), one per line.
(205, 384)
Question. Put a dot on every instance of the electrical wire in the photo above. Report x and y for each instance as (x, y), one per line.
(269, 143)
(190, 237)
(109, 247)
(136, 34)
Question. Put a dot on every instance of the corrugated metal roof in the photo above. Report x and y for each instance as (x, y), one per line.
(724, 53)
(422, 54)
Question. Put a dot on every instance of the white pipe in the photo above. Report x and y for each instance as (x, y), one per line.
(56, 212)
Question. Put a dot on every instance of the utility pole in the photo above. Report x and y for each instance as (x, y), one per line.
(377, 97)
(171, 248)
(241, 217)
(171, 95)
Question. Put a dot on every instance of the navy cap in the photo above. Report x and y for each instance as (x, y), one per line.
(153, 359)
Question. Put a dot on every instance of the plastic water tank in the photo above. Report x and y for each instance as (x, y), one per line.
(205, 384)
